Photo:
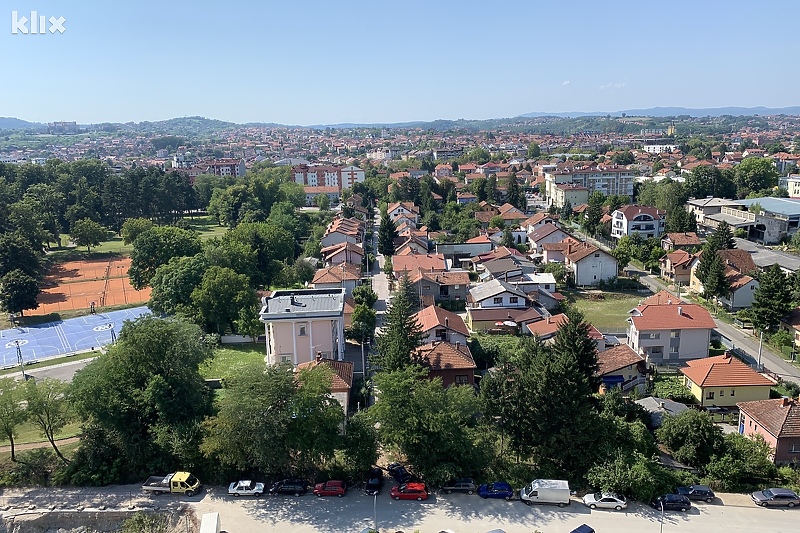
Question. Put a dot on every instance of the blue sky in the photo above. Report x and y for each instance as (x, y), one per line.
(321, 62)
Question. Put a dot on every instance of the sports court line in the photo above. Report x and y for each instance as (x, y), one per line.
(63, 338)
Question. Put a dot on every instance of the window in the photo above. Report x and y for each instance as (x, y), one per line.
(651, 336)
(286, 359)
(721, 393)
(597, 255)
(710, 395)
(426, 287)
(513, 300)
(456, 287)
(498, 300)
(794, 448)
(673, 349)
(675, 334)
(462, 380)
(301, 330)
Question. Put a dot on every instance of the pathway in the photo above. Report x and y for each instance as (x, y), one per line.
(36, 445)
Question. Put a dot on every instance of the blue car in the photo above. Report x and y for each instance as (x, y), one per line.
(498, 489)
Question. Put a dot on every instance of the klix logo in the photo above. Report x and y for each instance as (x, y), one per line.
(36, 24)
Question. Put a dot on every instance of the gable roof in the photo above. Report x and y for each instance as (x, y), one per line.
(781, 417)
(452, 277)
(616, 358)
(661, 317)
(407, 205)
(630, 211)
(342, 372)
(495, 314)
(662, 297)
(582, 251)
(687, 238)
(679, 257)
(538, 217)
(548, 327)
(338, 273)
(723, 371)
(434, 316)
(544, 231)
(492, 288)
(441, 355)
(739, 260)
(414, 261)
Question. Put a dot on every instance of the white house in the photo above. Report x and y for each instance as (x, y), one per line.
(546, 233)
(670, 333)
(301, 325)
(439, 324)
(590, 265)
(403, 209)
(638, 219)
(496, 293)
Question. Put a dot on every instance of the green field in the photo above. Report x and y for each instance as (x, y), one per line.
(609, 313)
(229, 360)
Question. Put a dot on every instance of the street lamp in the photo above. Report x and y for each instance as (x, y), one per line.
(662, 516)
(20, 361)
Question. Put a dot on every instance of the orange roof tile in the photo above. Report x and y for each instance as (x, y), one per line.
(442, 355)
(781, 417)
(547, 327)
(660, 317)
(434, 316)
(723, 371)
(342, 372)
(616, 358)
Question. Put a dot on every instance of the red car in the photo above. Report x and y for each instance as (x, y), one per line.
(410, 491)
(330, 488)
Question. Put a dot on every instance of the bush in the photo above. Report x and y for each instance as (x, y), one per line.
(671, 388)
(456, 306)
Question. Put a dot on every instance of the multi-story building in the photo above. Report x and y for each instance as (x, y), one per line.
(646, 221)
(611, 179)
(327, 176)
(569, 192)
(226, 167)
(671, 333)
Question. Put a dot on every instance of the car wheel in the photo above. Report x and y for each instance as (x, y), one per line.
(684, 509)
(528, 503)
(397, 498)
(316, 494)
(340, 495)
(508, 498)
(470, 492)
(189, 493)
(561, 505)
(791, 504)
(449, 492)
(618, 508)
(258, 494)
(297, 494)
(235, 494)
(593, 506)
(709, 500)
(419, 498)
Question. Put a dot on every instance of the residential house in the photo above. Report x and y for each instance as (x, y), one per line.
(496, 293)
(778, 421)
(301, 324)
(411, 244)
(738, 264)
(555, 252)
(548, 233)
(511, 215)
(452, 363)
(507, 268)
(227, 167)
(620, 366)
(647, 222)
(791, 323)
(670, 334)
(464, 198)
(342, 378)
(438, 324)
(483, 319)
(461, 253)
(547, 328)
(343, 230)
(676, 267)
(537, 221)
(482, 259)
(573, 193)
(682, 241)
(659, 408)
(342, 275)
(436, 287)
(590, 265)
(344, 252)
(413, 262)
(518, 236)
(724, 380)
(403, 209)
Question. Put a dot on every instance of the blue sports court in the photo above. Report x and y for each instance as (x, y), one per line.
(54, 339)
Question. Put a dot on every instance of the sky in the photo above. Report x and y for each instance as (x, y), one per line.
(325, 62)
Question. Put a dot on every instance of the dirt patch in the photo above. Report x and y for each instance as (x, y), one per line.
(180, 521)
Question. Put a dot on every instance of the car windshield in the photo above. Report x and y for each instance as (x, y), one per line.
(768, 493)
(191, 480)
(597, 496)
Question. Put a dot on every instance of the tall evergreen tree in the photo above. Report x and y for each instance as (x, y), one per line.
(715, 284)
(400, 335)
(723, 238)
(566, 211)
(387, 233)
(594, 212)
(491, 189)
(514, 195)
(773, 299)
(573, 341)
(409, 291)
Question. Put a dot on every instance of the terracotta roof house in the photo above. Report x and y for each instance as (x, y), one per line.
(676, 267)
(687, 239)
(778, 421)
(453, 363)
(554, 252)
(738, 265)
(670, 334)
(537, 221)
(403, 209)
(544, 234)
(638, 219)
(662, 297)
(342, 378)
(439, 324)
(346, 275)
(408, 264)
(436, 287)
(724, 380)
(483, 319)
(590, 265)
(548, 327)
(620, 366)
(343, 252)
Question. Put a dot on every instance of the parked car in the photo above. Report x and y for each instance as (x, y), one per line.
(374, 482)
(583, 528)
(465, 485)
(498, 489)
(399, 473)
(775, 497)
(671, 502)
(246, 488)
(697, 492)
(605, 500)
(410, 491)
(289, 486)
(330, 488)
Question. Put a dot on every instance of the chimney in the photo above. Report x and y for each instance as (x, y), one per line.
(663, 405)
(680, 310)
(319, 357)
(458, 345)
(446, 322)
(785, 402)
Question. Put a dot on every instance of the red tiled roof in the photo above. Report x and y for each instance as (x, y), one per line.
(631, 211)
(778, 416)
(547, 327)
(616, 358)
(434, 316)
(412, 262)
(662, 297)
(688, 238)
(442, 355)
(342, 372)
(723, 371)
(338, 273)
(660, 317)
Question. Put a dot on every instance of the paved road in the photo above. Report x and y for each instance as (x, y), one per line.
(458, 513)
(62, 371)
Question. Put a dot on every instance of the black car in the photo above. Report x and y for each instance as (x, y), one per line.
(374, 482)
(697, 492)
(289, 486)
(465, 485)
(671, 502)
(399, 473)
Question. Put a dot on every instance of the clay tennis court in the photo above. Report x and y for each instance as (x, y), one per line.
(76, 284)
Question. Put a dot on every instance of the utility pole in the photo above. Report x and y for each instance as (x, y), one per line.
(760, 345)
(20, 361)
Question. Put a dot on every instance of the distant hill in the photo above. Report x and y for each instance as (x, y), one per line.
(11, 123)
(678, 111)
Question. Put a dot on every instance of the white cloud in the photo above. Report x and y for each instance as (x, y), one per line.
(566, 82)
(611, 86)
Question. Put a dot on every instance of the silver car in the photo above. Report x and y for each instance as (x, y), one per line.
(605, 500)
(775, 497)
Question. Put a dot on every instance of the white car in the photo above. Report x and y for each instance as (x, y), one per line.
(246, 488)
(605, 500)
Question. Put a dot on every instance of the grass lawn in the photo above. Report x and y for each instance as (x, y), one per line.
(52, 362)
(609, 313)
(228, 360)
(27, 432)
(207, 227)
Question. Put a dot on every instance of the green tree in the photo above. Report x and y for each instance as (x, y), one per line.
(141, 404)
(173, 284)
(133, 227)
(47, 407)
(360, 444)
(220, 298)
(363, 294)
(679, 221)
(558, 270)
(273, 246)
(722, 238)
(715, 283)
(322, 201)
(399, 337)
(12, 410)
(772, 300)
(410, 292)
(566, 211)
(745, 462)
(490, 189)
(155, 247)
(755, 174)
(87, 232)
(692, 437)
(534, 151)
(18, 291)
(593, 213)
(16, 253)
(387, 233)
(497, 221)
(514, 194)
